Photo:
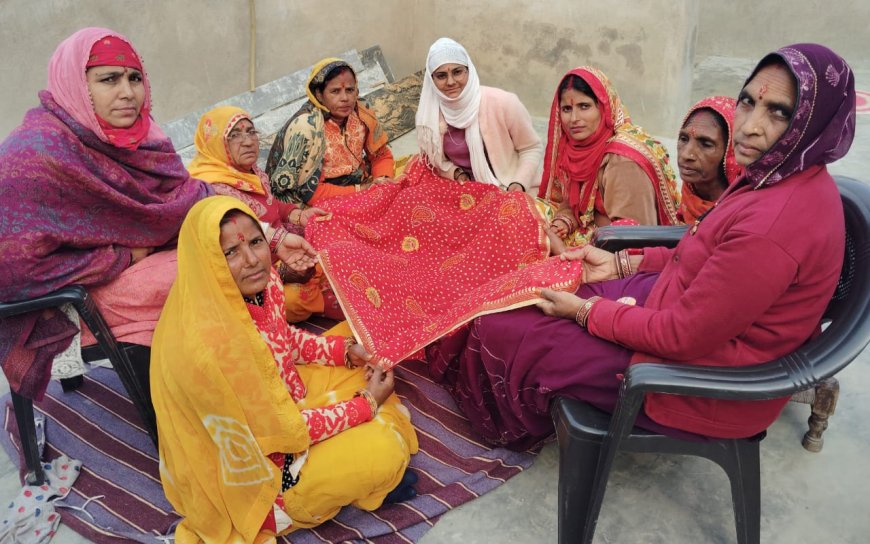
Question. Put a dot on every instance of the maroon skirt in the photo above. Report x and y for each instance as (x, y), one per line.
(504, 369)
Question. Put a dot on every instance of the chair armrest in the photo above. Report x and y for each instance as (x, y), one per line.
(73, 294)
(617, 238)
(771, 380)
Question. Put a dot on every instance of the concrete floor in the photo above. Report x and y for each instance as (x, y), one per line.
(806, 497)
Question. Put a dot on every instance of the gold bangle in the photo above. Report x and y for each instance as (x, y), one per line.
(348, 342)
(583, 312)
(373, 404)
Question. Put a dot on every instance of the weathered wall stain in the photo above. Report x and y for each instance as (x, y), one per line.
(633, 55)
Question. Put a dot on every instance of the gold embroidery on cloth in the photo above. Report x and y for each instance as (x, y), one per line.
(508, 209)
(410, 244)
(415, 308)
(422, 214)
(466, 202)
(374, 297)
(366, 232)
(452, 261)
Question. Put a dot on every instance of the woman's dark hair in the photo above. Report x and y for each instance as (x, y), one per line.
(330, 75)
(723, 127)
(578, 84)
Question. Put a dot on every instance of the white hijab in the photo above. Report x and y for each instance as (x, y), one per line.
(460, 112)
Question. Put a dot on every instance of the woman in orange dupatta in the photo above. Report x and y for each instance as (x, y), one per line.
(227, 148)
(333, 146)
(598, 166)
(705, 155)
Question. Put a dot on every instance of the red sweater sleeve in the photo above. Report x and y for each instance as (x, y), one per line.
(655, 259)
(745, 275)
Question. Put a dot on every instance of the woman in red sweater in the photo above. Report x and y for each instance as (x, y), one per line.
(741, 287)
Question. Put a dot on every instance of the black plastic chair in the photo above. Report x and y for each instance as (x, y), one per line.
(130, 361)
(589, 438)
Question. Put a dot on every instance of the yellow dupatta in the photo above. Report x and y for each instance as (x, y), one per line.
(212, 162)
(221, 405)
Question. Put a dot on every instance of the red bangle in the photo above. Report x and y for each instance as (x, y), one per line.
(277, 238)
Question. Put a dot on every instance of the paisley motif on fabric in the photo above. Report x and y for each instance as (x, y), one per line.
(415, 308)
(452, 261)
(508, 210)
(421, 214)
(358, 280)
(509, 285)
(366, 231)
(374, 297)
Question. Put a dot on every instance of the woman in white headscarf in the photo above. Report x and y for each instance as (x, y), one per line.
(470, 132)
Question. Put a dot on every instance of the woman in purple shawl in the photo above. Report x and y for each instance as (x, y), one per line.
(90, 186)
(746, 284)
(92, 193)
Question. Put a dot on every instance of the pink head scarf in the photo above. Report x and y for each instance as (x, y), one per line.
(68, 85)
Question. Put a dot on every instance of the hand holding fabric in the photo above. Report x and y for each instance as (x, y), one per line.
(358, 356)
(307, 213)
(598, 264)
(380, 384)
(296, 253)
(560, 303)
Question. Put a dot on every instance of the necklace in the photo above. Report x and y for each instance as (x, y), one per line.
(454, 142)
(256, 300)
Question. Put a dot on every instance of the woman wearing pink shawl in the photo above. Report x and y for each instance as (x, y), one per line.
(89, 186)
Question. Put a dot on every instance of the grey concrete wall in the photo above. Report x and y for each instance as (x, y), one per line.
(526, 47)
(751, 28)
(196, 52)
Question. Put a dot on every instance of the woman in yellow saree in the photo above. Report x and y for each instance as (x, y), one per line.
(255, 441)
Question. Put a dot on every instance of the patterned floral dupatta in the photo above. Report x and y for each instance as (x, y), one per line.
(627, 139)
(295, 164)
(413, 261)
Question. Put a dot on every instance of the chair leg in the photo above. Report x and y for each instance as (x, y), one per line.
(27, 434)
(742, 464)
(140, 359)
(823, 407)
(71, 384)
(578, 460)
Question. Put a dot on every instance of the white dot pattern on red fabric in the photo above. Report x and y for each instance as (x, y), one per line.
(410, 262)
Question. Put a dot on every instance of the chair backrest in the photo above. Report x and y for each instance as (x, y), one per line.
(848, 314)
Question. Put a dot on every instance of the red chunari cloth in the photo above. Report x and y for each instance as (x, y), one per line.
(413, 261)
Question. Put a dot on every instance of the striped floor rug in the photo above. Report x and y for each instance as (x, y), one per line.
(98, 425)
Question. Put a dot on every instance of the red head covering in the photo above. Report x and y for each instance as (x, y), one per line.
(113, 51)
(693, 206)
(581, 160)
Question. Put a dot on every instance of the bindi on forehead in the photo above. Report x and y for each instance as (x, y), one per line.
(241, 237)
(762, 90)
